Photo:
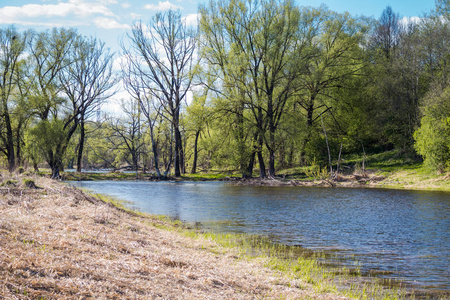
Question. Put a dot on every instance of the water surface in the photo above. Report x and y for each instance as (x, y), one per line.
(402, 234)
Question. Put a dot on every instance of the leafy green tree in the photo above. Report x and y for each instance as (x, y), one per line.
(12, 47)
(51, 52)
(255, 49)
(336, 58)
(197, 119)
(433, 137)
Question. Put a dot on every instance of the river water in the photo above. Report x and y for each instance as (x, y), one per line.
(400, 234)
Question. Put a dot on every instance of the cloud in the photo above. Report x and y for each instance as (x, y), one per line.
(192, 20)
(108, 23)
(39, 14)
(162, 6)
(125, 5)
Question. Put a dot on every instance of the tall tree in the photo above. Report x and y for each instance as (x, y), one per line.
(87, 82)
(336, 56)
(387, 32)
(138, 89)
(12, 46)
(162, 54)
(265, 53)
(50, 53)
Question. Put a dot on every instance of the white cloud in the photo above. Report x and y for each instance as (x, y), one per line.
(162, 6)
(108, 23)
(125, 5)
(135, 16)
(192, 20)
(73, 8)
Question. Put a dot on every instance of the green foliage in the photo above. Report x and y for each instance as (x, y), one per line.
(433, 136)
(46, 137)
(315, 171)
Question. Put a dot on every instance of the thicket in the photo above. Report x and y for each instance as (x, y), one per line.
(257, 87)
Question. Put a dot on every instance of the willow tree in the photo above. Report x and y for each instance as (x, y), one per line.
(72, 76)
(162, 54)
(12, 47)
(256, 49)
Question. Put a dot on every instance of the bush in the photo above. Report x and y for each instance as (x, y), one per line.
(432, 139)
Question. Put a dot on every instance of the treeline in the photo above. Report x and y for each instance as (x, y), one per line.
(258, 86)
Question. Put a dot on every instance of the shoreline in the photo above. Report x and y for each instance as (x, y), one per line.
(400, 180)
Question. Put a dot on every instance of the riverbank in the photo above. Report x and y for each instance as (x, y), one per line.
(415, 177)
(58, 242)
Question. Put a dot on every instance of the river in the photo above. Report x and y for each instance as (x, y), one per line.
(397, 234)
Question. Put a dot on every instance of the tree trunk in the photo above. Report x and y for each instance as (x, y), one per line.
(271, 163)
(248, 172)
(56, 172)
(155, 156)
(194, 164)
(271, 148)
(309, 124)
(262, 166)
(10, 143)
(81, 146)
(178, 151)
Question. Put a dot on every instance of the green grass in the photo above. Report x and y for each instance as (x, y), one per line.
(298, 263)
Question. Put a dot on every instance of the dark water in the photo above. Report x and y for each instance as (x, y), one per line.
(401, 234)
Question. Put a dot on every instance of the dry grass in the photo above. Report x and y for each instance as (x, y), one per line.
(58, 243)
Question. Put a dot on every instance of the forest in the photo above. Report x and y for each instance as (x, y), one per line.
(257, 87)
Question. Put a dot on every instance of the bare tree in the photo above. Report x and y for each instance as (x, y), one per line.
(88, 82)
(162, 55)
(137, 88)
(388, 31)
(125, 132)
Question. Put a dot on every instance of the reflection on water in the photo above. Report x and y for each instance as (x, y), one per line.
(399, 234)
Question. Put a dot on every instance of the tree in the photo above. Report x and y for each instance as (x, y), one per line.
(12, 47)
(50, 53)
(126, 133)
(336, 56)
(433, 137)
(137, 88)
(256, 47)
(198, 115)
(162, 55)
(87, 82)
(387, 32)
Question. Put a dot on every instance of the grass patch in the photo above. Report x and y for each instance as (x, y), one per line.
(303, 266)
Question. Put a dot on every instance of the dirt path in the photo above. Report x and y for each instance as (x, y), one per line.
(59, 243)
